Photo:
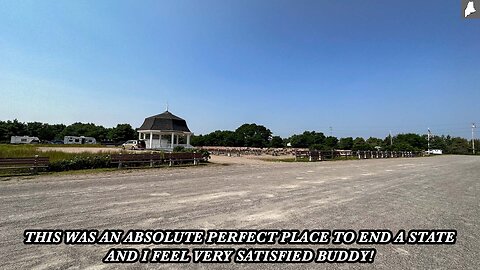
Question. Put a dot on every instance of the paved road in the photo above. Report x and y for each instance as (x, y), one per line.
(424, 193)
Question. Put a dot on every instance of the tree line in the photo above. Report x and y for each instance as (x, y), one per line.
(253, 135)
(48, 132)
(247, 135)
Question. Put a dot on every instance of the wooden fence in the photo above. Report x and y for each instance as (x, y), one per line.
(347, 154)
(311, 155)
(156, 158)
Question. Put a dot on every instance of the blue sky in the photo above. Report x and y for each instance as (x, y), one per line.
(360, 67)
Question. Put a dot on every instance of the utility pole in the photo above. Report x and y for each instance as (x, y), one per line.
(473, 138)
(428, 136)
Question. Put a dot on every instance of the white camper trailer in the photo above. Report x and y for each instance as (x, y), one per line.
(79, 140)
(24, 140)
(435, 152)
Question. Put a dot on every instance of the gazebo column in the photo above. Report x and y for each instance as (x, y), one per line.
(151, 139)
(160, 140)
(139, 135)
(173, 138)
(177, 138)
(188, 139)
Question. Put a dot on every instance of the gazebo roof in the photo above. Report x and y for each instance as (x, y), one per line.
(165, 122)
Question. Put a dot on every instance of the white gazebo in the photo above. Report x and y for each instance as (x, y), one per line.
(164, 132)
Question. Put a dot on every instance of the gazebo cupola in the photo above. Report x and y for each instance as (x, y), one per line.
(165, 131)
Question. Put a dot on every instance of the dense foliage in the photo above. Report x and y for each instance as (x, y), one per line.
(249, 135)
(47, 132)
(252, 135)
(81, 163)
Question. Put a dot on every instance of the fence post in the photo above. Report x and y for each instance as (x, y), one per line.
(35, 163)
(120, 161)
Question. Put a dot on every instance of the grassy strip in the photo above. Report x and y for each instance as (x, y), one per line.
(74, 145)
(59, 161)
(18, 151)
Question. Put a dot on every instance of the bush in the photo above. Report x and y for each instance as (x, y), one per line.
(179, 149)
(205, 153)
(80, 163)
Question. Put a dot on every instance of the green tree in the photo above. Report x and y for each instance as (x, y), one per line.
(331, 143)
(253, 135)
(346, 143)
(409, 141)
(307, 139)
(121, 133)
(438, 142)
(12, 128)
(88, 130)
(197, 140)
(360, 144)
(458, 146)
(276, 142)
(33, 129)
(374, 143)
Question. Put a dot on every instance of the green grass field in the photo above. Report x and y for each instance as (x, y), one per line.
(16, 151)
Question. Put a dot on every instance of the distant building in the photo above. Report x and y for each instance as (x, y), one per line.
(79, 140)
(165, 131)
(24, 139)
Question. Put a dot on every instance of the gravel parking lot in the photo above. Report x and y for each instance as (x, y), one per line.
(417, 193)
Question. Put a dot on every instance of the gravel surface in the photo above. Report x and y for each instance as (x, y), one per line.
(417, 193)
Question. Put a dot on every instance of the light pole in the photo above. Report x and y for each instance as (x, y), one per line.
(473, 138)
(428, 136)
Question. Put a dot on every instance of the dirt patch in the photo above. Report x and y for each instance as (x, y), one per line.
(250, 159)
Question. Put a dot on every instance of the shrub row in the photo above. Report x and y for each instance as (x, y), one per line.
(95, 162)
(80, 163)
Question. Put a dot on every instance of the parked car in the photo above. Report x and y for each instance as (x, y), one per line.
(134, 144)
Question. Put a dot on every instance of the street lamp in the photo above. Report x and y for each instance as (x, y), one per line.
(473, 138)
(428, 139)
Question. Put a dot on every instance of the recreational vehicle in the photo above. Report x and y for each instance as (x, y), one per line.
(435, 152)
(24, 139)
(79, 140)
